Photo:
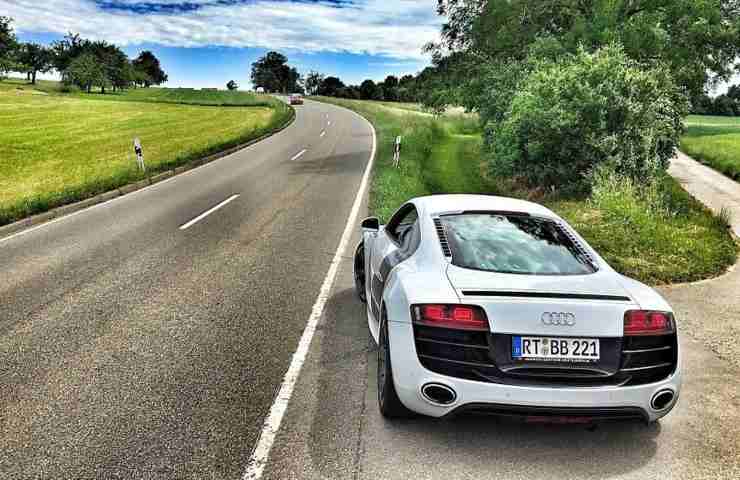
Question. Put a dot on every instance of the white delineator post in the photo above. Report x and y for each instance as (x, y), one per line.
(397, 152)
(139, 154)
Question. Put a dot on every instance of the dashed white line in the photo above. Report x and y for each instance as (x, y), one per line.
(323, 133)
(261, 453)
(298, 155)
(328, 123)
(208, 212)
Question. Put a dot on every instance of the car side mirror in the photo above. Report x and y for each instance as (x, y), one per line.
(371, 223)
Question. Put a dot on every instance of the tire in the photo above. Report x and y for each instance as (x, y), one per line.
(388, 401)
(359, 272)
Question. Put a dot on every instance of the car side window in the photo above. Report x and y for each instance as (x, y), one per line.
(400, 226)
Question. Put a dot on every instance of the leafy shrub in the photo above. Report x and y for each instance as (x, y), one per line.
(588, 109)
(68, 88)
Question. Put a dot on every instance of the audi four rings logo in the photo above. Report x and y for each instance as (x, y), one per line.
(564, 319)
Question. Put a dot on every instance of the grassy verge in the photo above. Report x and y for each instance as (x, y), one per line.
(392, 186)
(56, 149)
(666, 238)
(714, 141)
(675, 239)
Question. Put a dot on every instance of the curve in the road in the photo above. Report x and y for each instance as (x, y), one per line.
(133, 348)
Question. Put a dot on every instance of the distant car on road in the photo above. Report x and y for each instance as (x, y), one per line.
(296, 99)
(496, 305)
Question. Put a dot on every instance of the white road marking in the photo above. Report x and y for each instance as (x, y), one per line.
(107, 202)
(261, 453)
(322, 133)
(125, 196)
(328, 123)
(298, 155)
(208, 212)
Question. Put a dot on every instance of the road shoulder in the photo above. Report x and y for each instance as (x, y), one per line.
(64, 210)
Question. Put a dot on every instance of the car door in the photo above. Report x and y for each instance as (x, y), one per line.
(398, 240)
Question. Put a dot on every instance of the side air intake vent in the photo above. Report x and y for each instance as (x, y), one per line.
(442, 237)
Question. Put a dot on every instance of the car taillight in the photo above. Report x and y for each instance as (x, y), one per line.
(462, 317)
(644, 322)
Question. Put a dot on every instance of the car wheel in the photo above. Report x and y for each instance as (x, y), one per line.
(388, 401)
(359, 272)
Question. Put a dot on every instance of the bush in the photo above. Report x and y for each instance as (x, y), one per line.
(590, 109)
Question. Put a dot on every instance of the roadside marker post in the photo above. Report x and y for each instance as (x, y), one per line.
(397, 152)
(139, 154)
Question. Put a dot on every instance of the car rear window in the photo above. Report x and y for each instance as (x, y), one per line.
(513, 243)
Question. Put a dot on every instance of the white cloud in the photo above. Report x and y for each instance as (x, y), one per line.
(396, 29)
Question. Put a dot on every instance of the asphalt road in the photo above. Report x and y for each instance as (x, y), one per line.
(139, 339)
(130, 348)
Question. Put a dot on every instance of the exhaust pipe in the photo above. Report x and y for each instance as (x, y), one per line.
(438, 394)
(662, 400)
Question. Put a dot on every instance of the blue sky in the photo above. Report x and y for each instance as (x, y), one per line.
(205, 43)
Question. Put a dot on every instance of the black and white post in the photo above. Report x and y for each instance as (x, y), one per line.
(397, 152)
(139, 154)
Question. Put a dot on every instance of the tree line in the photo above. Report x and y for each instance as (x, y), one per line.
(87, 64)
(727, 104)
(273, 74)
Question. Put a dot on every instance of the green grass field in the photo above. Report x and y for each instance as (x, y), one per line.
(680, 242)
(56, 148)
(714, 141)
(188, 96)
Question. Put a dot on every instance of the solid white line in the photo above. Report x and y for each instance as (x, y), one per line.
(298, 155)
(261, 453)
(208, 212)
(323, 133)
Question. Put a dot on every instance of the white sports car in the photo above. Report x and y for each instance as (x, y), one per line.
(496, 305)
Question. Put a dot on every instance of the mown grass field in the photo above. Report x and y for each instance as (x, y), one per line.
(680, 242)
(714, 141)
(57, 148)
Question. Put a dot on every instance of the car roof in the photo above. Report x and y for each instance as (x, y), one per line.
(438, 204)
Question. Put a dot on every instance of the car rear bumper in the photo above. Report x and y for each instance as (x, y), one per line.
(596, 402)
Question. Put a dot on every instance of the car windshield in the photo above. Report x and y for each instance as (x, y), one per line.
(511, 243)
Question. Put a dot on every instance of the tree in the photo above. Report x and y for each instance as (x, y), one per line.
(273, 73)
(351, 92)
(702, 105)
(369, 90)
(148, 65)
(8, 45)
(696, 39)
(313, 82)
(232, 85)
(571, 116)
(112, 59)
(330, 87)
(34, 58)
(66, 50)
(734, 92)
(407, 89)
(120, 70)
(86, 71)
(390, 88)
(724, 105)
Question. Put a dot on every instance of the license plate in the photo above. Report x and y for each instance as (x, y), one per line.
(555, 349)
